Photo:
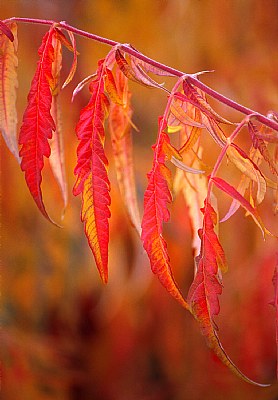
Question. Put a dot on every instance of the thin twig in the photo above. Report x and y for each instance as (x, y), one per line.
(130, 50)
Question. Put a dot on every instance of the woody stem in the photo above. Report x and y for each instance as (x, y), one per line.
(130, 50)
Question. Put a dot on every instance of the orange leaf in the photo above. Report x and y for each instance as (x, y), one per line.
(91, 171)
(241, 160)
(111, 88)
(156, 198)
(194, 189)
(9, 84)
(179, 114)
(120, 130)
(190, 133)
(203, 294)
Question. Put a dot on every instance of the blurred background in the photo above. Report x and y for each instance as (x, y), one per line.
(66, 336)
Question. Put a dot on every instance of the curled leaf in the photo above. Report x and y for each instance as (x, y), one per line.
(135, 72)
(63, 39)
(8, 86)
(81, 85)
(74, 63)
(7, 31)
(241, 188)
(149, 67)
(57, 158)
(197, 98)
(179, 109)
(181, 165)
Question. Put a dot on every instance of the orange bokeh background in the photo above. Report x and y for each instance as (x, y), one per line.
(65, 335)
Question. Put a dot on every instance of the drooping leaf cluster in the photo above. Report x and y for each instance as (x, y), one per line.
(108, 116)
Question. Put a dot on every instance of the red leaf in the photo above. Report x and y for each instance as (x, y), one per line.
(91, 171)
(230, 190)
(241, 189)
(156, 198)
(203, 294)
(38, 123)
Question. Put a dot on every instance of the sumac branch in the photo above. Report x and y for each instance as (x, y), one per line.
(108, 116)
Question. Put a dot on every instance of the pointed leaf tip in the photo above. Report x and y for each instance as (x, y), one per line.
(184, 167)
(156, 199)
(203, 294)
(91, 173)
(38, 124)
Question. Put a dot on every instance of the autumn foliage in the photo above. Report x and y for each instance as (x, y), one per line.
(179, 164)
